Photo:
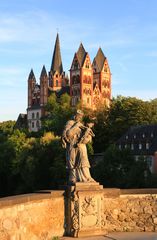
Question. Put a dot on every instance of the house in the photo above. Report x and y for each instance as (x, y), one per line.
(142, 141)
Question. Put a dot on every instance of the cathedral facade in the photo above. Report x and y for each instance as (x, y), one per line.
(90, 83)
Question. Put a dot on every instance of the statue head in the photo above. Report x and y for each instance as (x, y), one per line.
(79, 115)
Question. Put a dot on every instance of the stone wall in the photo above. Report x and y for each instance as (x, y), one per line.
(41, 216)
(32, 216)
(130, 211)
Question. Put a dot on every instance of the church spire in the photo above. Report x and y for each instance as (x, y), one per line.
(31, 76)
(57, 60)
(81, 53)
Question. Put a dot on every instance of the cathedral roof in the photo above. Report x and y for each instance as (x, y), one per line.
(100, 59)
(57, 60)
(81, 54)
(31, 75)
(43, 72)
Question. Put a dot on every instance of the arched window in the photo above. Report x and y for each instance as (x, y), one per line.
(75, 64)
(77, 78)
(37, 124)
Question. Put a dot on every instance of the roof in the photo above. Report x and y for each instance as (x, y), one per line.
(21, 121)
(143, 134)
(31, 75)
(57, 60)
(64, 89)
(100, 59)
(81, 54)
(43, 72)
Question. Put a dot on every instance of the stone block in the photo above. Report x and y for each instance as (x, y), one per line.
(84, 210)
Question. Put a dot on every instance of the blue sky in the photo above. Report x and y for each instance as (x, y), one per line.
(126, 30)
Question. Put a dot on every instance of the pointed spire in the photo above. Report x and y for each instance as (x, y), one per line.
(43, 72)
(31, 75)
(81, 53)
(100, 58)
(57, 60)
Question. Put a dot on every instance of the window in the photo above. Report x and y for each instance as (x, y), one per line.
(125, 146)
(37, 115)
(32, 124)
(140, 146)
(149, 161)
(134, 135)
(32, 115)
(143, 135)
(147, 146)
(105, 69)
(126, 137)
(88, 100)
(152, 135)
(132, 146)
(56, 83)
(37, 124)
(120, 146)
(75, 64)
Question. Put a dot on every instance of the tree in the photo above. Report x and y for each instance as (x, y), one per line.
(58, 113)
(7, 127)
(120, 169)
(123, 113)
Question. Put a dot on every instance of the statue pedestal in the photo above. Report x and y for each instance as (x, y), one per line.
(84, 208)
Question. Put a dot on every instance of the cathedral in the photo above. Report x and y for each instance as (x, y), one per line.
(90, 83)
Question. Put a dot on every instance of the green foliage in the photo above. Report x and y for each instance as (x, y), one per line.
(124, 112)
(7, 127)
(28, 163)
(58, 113)
(55, 238)
(120, 169)
(33, 161)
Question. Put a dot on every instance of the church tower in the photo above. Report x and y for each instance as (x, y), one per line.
(81, 78)
(56, 74)
(101, 79)
(43, 87)
(34, 109)
(31, 85)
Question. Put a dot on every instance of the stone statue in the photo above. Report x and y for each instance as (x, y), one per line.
(74, 138)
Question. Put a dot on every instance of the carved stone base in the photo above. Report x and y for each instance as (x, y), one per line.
(84, 207)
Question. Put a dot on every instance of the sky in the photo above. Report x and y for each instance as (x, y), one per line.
(126, 30)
